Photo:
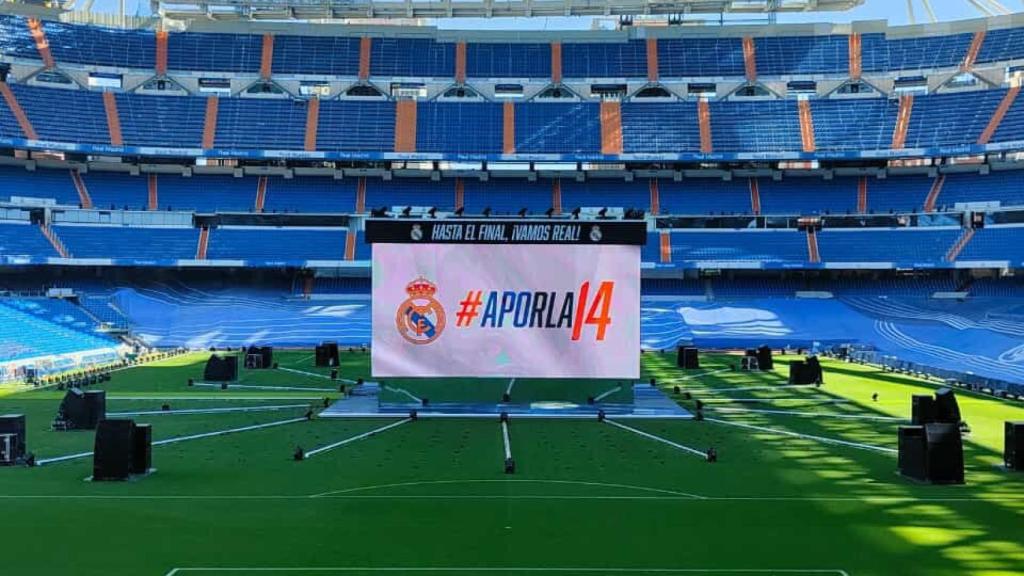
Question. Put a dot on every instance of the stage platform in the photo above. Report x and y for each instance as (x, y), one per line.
(648, 402)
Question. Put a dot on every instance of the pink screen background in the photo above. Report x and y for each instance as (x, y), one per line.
(506, 352)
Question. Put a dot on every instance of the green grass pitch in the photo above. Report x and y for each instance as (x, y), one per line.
(587, 499)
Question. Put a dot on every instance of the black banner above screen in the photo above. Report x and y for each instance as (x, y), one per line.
(497, 231)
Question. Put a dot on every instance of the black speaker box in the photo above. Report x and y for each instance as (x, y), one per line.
(96, 408)
(13, 424)
(327, 354)
(112, 454)
(687, 357)
(221, 369)
(764, 358)
(946, 408)
(912, 450)
(142, 448)
(814, 365)
(922, 409)
(945, 453)
(1013, 451)
(261, 357)
(805, 371)
(83, 410)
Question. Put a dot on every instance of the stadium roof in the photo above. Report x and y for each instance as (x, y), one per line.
(338, 9)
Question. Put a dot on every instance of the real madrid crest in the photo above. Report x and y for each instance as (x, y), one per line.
(595, 233)
(420, 318)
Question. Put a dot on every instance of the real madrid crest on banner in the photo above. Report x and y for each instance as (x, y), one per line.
(420, 318)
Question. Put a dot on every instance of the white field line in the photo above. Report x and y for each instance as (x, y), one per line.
(315, 375)
(693, 451)
(347, 492)
(607, 393)
(883, 500)
(217, 398)
(508, 444)
(811, 414)
(229, 431)
(822, 439)
(253, 387)
(511, 383)
(210, 410)
(513, 570)
(179, 439)
(312, 453)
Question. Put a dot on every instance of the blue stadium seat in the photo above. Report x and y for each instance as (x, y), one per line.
(333, 55)
(951, 119)
(603, 193)
(459, 127)
(904, 246)
(410, 192)
(208, 193)
(699, 57)
(779, 55)
(310, 194)
(261, 124)
(900, 194)
(356, 126)
(131, 243)
(853, 124)
(766, 126)
(763, 247)
(808, 196)
(660, 127)
(289, 245)
(604, 59)
(996, 243)
(22, 240)
(508, 60)
(28, 330)
(164, 121)
(412, 58)
(41, 183)
(205, 52)
(507, 196)
(558, 128)
(63, 115)
(117, 190)
(701, 196)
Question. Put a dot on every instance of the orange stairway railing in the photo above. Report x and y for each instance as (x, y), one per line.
(83, 193)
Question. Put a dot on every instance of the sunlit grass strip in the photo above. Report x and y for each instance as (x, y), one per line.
(811, 414)
(821, 439)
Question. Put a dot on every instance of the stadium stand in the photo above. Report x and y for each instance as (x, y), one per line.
(19, 240)
(736, 148)
(38, 327)
(559, 128)
(131, 243)
(277, 244)
(913, 245)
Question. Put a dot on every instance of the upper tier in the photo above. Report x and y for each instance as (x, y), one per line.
(427, 53)
(181, 126)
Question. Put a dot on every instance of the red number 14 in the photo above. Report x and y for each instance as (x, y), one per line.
(599, 312)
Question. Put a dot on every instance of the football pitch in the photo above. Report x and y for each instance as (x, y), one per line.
(805, 483)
